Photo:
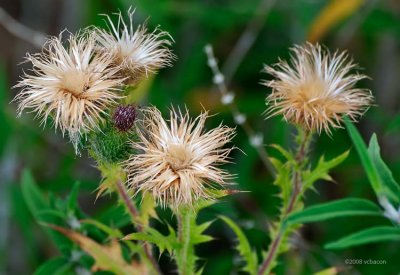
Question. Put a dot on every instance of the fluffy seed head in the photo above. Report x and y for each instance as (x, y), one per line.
(124, 117)
(317, 89)
(71, 84)
(136, 50)
(179, 160)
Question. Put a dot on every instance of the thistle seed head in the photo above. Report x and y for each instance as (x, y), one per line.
(316, 89)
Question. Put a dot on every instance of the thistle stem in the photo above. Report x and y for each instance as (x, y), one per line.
(134, 213)
(185, 259)
(300, 158)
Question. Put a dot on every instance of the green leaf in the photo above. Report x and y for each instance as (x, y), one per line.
(366, 161)
(32, 195)
(334, 209)
(321, 171)
(58, 265)
(328, 271)
(391, 187)
(72, 200)
(147, 210)
(371, 235)
(111, 232)
(283, 179)
(40, 208)
(287, 154)
(168, 242)
(243, 247)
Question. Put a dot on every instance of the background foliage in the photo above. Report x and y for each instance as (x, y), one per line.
(369, 30)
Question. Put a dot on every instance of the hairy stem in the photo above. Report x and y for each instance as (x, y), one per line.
(185, 258)
(305, 139)
(134, 213)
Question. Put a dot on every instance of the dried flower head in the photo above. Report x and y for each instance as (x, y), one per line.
(179, 160)
(317, 89)
(124, 117)
(71, 84)
(136, 50)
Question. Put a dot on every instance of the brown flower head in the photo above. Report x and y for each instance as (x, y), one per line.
(138, 51)
(71, 84)
(317, 89)
(178, 163)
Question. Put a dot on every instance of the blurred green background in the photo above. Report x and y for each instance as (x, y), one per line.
(369, 30)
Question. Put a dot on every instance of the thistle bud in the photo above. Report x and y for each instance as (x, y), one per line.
(124, 117)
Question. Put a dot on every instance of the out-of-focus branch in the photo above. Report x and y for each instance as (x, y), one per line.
(21, 31)
(227, 98)
(246, 40)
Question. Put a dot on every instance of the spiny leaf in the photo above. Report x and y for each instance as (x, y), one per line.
(283, 180)
(198, 236)
(147, 210)
(334, 209)
(111, 173)
(107, 257)
(287, 154)
(321, 170)
(243, 247)
(151, 235)
(370, 235)
(391, 187)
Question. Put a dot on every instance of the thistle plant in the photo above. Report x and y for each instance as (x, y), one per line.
(313, 92)
(83, 84)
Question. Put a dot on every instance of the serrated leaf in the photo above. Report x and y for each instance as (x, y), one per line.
(371, 235)
(391, 187)
(147, 210)
(321, 171)
(107, 257)
(163, 242)
(243, 247)
(283, 180)
(335, 209)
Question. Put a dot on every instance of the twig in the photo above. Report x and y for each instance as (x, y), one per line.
(134, 213)
(246, 40)
(256, 139)
(21, 31)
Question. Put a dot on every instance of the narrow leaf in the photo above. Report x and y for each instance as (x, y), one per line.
(392, 188)
(366, 161)
(334, 209)
(371, 235)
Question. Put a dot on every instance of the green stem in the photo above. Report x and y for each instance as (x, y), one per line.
(185, 258)
(303, 145)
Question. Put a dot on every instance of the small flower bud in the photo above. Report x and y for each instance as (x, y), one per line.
(124, 117)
